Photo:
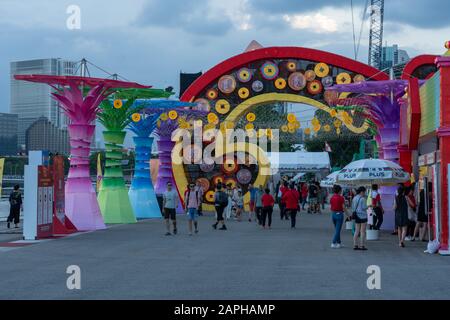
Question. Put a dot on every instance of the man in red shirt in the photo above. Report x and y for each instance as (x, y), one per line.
(291, 198)
(268, 201)
(283, 189)
(337, 203)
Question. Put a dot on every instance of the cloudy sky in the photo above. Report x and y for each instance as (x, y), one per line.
(151, 41)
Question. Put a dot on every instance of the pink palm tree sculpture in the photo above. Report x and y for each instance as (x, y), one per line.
(81, 201)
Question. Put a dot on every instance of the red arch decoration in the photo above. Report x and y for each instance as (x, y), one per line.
(279, 53)
(416, 63)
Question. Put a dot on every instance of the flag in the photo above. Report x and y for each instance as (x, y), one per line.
(327, 147)
(99, 172)
(2, 164)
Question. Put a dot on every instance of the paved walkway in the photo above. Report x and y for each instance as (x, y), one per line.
(245, 262)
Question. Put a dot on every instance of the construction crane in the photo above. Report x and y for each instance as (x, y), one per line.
(376, 33)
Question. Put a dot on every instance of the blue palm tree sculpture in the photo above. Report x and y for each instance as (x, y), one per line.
(142, 193)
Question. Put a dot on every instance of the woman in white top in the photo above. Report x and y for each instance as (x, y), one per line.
(229, 207)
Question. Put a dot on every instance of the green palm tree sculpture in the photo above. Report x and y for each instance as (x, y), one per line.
(115, 116)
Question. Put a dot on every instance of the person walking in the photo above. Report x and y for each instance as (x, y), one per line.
(192, 203)
(258, 204)
(229, 208)
(312, 196)
(412, 213)
(291, 198)
(238, 200)
(304, 194)
(15, 203)
(199, 189)
(337, 203)
(252, 206)
(377, 208)
(268, 202)
(359, 209)
(422, 218)
(170, 203)
(283, 189)
(401, 215)
(220, 203)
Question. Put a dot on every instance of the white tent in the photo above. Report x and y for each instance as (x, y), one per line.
(299, 161)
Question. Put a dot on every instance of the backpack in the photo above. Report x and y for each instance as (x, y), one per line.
(222, 199)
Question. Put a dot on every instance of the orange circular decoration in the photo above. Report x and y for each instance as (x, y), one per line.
(136, 117)
(203, 105)
(291, 66)
(249, 126)
(118, 104)
(310, 75)
(244, 93)
(232, 182)
(307, 131)
(291, 118)
(297, 125)
(322, 70)
(222, 106)
(343, 78)
(359, 78)
(227, 84)
(280, 83)
(333, 113)
(291, 126)
(218, 179)
(315, 87)
(251, 117)
(230, 166)
(212, 118)
(204, 183)
(209, 196)
(244, 75)
(297, 81)
(173, 115)
(284, 128)
(212, 94)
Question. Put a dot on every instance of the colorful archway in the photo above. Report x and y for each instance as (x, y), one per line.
(276, 74)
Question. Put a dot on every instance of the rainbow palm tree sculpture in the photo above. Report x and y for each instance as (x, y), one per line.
(142, 193)
(115, 116)
(81, 205)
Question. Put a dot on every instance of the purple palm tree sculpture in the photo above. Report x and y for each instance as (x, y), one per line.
(81, 201)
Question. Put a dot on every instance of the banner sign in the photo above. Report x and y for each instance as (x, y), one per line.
(58, 188)
(45, 203)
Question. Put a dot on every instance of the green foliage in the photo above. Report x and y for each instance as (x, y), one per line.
(117, 119)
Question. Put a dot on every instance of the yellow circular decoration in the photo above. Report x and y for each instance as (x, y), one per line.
(291, 66)
(118, 104)
(251, 117)
(310, 75)
(222, 106)
(209, 196)
(343, 78)
(284, 128)
(244, 93)
(280, 83)
(244, 75)
(297, 125)
(317, 128)
(315, 121)
(322, 70)
(173, 115)
(307, 131)
(213, 118)
(249, 126)
(292, 130)
(164, 116)
(291, 118)
(291, 125)
(227, 84)
(337, 123)
(136, 117)
(333, 113)
(212, 94)
(359, 78)
(269, 70)
(327, 128)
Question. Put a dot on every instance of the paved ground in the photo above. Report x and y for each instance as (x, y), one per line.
(245, 262)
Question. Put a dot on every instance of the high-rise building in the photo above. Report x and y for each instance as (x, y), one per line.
(33, 100)
(393, 56)
(44, 135)
(8, 134)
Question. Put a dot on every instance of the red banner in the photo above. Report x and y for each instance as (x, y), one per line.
(45, 203)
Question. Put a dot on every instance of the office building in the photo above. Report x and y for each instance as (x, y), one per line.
(44, 135)
(33, 100)
(393, 56)
(8, 134)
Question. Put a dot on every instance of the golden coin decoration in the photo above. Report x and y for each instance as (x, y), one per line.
(307, 131)
(212, 118)
(280, 83)
(222, 106)
(315, 87)
(136, 117)
(315, 121)
(244, 75)
(118, 103)
(209, 196)
(173, 115)
(212, 94)
(322, 70)
(227, 84)
(317, 128)
(249, 126)
(291, 118)
(243, 93)
(269, 70)
(297, 125)
(284, 128)
(291, 66)
(251, 117)
(343, 78)
(291, 125)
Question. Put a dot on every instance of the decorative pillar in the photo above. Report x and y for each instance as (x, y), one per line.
(443, 64)
(405, 158)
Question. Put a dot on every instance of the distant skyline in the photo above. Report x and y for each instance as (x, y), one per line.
(151, 41)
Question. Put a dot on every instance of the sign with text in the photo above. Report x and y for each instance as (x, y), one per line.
(45, 202)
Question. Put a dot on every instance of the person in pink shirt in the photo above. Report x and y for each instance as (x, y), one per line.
(192, 202)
